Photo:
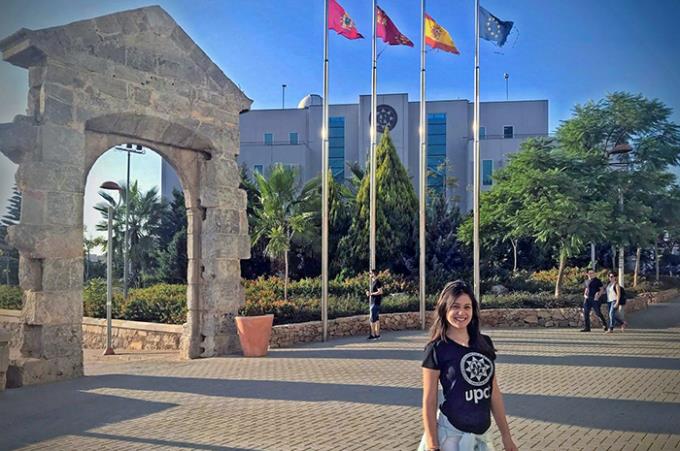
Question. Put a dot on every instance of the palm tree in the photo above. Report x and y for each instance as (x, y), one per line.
(283, 212)
(146, 211)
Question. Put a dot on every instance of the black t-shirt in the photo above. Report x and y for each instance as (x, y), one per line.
(593, 285)
(375, 286)
(466, 377)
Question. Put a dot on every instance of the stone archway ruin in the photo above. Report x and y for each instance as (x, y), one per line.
(133, 76)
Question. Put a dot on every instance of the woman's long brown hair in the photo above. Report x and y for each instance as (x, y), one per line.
(451, 292)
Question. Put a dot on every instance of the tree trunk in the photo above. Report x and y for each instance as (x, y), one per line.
(637, 266)
(560, 273)
(285, 276)
(656, 258)
(613, 258)
(514, 256)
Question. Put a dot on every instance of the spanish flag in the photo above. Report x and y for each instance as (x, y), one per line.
(437, 37)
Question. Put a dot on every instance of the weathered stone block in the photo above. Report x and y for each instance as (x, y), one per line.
(52, 307)
(29, 371)
(47, 241)
(63, 146)
(63, 75)
(43, 176)
(64, 208)
(56, 111)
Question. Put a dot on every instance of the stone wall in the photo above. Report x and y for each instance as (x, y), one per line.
(151, 336)
(4, 358)
(132, 335)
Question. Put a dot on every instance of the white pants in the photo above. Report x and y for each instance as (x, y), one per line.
(452, 439)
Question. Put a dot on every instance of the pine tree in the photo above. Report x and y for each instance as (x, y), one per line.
(396, 215)
(172, 257)
(9, 257)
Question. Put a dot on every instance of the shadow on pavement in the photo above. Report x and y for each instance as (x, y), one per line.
(158, 442)
(607, 414)
(44, 412)
(611, 414)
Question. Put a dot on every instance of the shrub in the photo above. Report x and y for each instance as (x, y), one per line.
(10, 297)
(523, 299)
(94, 300)
(162, 303)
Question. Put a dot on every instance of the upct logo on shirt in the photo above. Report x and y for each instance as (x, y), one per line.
(477, 370)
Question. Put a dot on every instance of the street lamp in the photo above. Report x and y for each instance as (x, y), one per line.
(109, 264)
(619, 150)
(129, 148)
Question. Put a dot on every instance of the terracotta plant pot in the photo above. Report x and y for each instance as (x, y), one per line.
(254, 333)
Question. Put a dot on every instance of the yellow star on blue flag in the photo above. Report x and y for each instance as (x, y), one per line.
(492, 28)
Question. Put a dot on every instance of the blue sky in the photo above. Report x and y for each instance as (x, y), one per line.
(565, 52)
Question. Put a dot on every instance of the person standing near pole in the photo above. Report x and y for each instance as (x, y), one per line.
(374, 300)
(591, 295)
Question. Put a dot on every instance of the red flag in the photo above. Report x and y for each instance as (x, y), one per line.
(340, 21)
(388, 31)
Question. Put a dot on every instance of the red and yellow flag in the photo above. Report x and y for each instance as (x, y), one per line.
(437, 37)
(388, 31)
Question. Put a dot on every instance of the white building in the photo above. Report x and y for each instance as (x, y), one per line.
(293, 137)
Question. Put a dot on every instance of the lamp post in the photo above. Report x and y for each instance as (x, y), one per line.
(129, 148)
(507, 95)
(109, 264)
(620, 149)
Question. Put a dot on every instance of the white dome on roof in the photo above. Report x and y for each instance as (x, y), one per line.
(310, 100)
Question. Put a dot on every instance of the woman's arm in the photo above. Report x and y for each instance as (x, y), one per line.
(617, 290)
(498, 411)
(430, 381)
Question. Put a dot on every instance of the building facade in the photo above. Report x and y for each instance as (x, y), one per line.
(293, 137)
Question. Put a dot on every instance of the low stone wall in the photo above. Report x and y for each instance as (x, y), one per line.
(10, 325)
(4, 359)
(133, 335)
(136, 335)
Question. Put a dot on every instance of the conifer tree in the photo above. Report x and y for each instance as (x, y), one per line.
(396, 217)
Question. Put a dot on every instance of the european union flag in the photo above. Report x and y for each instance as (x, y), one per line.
(492, 28)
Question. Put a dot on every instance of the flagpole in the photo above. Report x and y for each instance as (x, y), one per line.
(422, 167)
(374, 138)
(324, 182)
(476, 193)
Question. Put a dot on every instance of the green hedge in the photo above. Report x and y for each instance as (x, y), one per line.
(162, 303)
(167, 303)
(10, 297)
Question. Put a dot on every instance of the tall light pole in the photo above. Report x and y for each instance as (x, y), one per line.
(109, 264)
(129, 148)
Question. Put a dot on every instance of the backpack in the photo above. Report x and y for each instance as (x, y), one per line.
(622, 296)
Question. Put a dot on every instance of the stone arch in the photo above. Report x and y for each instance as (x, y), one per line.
(133, 77)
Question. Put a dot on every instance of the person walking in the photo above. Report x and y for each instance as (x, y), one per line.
(461, 359)
(591, 301)
(374, 300)
(616, 301)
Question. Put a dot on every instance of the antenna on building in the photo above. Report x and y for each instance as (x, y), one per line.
(506, 76)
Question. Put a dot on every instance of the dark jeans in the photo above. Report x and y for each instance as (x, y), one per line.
(592, 304)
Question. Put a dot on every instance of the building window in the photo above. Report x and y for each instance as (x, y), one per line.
(268, 139)
(487, 172)
(436, 151)
(482, 132)
(336, 147)
(293, 138)
(258, 168)
(508, 131)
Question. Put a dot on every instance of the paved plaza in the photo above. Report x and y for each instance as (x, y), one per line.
(564, 390)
